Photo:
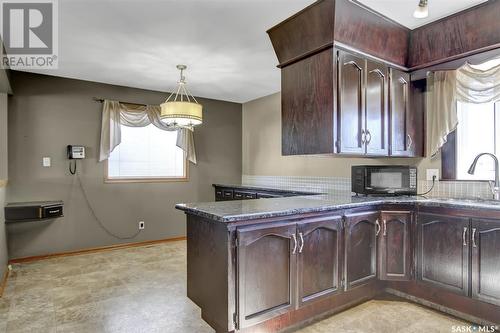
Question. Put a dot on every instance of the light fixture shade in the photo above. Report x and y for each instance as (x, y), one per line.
(422, 11)
(182, 113)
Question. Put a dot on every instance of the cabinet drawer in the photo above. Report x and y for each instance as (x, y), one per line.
(227, 194)
(243, 195)
(219, 194)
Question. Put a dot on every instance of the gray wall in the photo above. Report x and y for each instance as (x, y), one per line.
(47, 113)
(3, 180)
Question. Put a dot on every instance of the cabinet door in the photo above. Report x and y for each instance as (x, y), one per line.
(395, 246)
(486, 260)
(307, 106)
(361, 248)
(266, 270)
(400, 138)
(377, 115)
(443, 251)
(319, 258)
(351, 111)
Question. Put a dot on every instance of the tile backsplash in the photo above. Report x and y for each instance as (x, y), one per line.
(342, 186)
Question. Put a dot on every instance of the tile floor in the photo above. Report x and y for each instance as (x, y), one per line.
(143, 290)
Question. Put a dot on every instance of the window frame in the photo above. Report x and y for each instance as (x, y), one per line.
(168, 179)
(449, 158)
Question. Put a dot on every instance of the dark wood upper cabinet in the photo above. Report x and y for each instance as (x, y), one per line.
(307, 106)
(319, 254)
(362, 111)
(468, 32)
(351, 103)
(377, 110)
(395, 248)
(266, 270)
(371, 33)
(443, 251)
(401, 139)
(324, 22)
(485, 242)
(360, 261)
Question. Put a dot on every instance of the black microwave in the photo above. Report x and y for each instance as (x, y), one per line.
(384, 180)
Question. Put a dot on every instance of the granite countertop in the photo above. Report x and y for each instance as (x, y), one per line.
(238, 210)
(263, 188)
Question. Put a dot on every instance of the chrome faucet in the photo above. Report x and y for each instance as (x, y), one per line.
(495, 188)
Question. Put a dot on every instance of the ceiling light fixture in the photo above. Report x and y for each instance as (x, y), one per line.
(181, 109)
(422, 10)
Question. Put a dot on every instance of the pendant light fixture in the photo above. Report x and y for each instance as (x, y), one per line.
(422, 10)
(181, 108)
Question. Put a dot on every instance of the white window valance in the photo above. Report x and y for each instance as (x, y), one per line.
(115, 114)
(468, 84)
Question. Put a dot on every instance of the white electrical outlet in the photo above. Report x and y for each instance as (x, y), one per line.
(142, 225)
(46, 162)
(431, 173)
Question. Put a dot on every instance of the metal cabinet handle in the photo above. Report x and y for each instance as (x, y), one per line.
(377, 228)
(474, 237)
(363, 136)
(353, 63)
(385, 227)
(410, 141)
(294, 244)
(301, 242)
(464, 236)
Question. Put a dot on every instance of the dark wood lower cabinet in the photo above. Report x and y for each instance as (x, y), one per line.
(395, 248)
(319, 254)
(443, 251)
(267, 276)
(485, 260)
(361, 248)
(266, 269)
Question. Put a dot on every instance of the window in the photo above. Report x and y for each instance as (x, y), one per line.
(478, 132)
(147, 154)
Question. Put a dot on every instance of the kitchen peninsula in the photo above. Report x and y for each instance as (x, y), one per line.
(268, 264)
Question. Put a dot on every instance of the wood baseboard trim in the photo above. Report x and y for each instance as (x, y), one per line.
(94, 250)
(3, 284)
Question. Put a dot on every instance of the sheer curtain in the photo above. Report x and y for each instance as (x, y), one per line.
(115, 114)
(468, 84)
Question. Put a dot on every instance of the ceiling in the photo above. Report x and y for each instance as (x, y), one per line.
(138, 43)
(401, 11)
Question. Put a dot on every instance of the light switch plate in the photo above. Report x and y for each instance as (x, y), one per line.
(46, 162)
(431, 173)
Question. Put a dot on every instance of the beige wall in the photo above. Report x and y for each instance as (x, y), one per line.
(47, 113)
(262, 148)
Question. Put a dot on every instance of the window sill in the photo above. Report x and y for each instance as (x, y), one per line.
(145, 180)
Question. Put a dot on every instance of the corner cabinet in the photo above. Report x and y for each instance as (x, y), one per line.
(360, 261)
(395, 246)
